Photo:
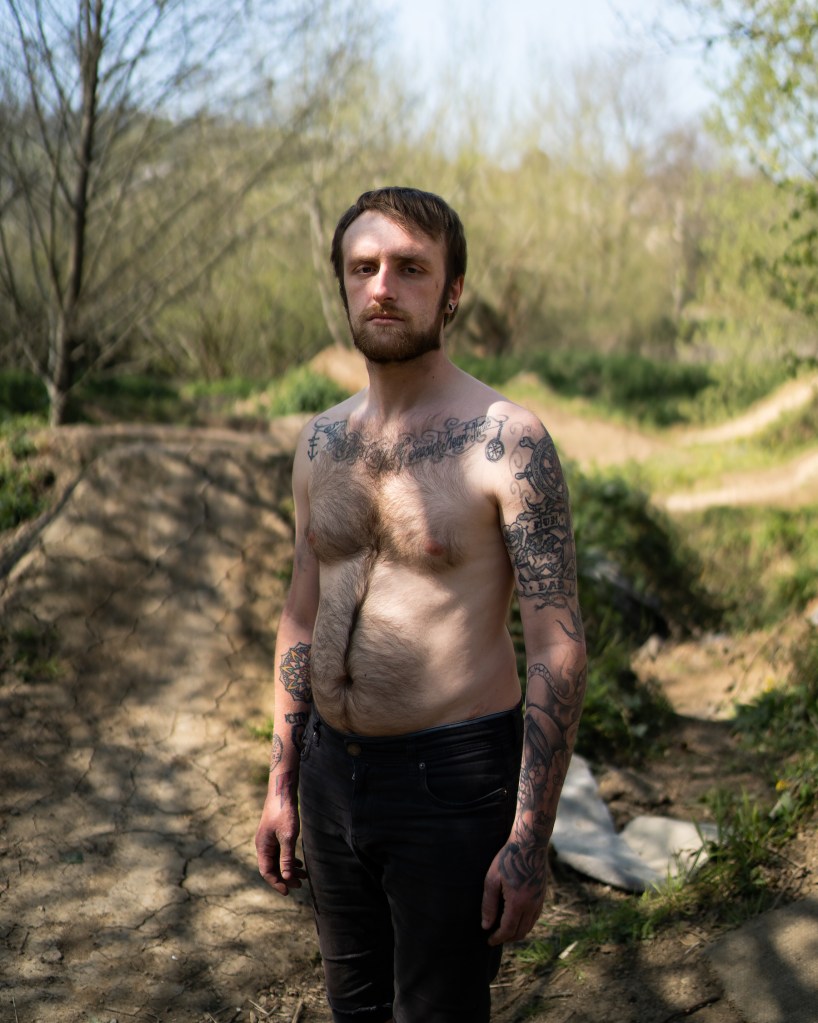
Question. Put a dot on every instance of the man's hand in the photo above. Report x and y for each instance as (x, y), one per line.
(514, 892)
(275, 845)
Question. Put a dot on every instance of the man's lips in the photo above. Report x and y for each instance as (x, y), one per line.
(383, 314)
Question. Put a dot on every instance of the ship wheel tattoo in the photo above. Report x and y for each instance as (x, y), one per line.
(542, 471)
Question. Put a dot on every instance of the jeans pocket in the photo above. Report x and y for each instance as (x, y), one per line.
(453, 787)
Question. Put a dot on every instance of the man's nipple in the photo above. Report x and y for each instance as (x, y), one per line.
(434, 549)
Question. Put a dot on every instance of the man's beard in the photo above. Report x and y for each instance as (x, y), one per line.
(396, 343)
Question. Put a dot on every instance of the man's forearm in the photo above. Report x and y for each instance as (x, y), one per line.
(553, 708)
(293, 699)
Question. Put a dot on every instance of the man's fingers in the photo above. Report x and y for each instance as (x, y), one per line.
(490, 908)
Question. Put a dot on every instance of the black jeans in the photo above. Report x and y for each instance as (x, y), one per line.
(398, 835)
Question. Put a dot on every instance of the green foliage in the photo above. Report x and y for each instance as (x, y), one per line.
(737, 384)
(495, 370)
(303, 390)
(769, 99)
(647, 389)
(760, 564)
(32, 652)
(127, 397)
(23, 487)
(782, 725)
(640, 574)
(794, 430)
(21, 394)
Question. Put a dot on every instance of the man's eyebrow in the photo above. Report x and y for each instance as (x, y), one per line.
(400, 256)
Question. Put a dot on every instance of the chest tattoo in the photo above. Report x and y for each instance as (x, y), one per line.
(430, 445)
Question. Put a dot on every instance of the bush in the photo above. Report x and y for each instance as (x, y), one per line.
(21, 394)
(760, 564)
(651, 391)
(303, 390)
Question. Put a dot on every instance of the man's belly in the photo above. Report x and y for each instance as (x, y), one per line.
(393, 666)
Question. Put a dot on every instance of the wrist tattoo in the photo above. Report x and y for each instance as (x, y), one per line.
(276, 752)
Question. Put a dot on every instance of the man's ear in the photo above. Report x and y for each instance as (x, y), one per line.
(454, 296)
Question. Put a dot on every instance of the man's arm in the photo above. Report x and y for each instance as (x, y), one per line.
(279, 825)
(538, 536)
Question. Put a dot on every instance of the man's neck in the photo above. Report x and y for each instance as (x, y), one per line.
(398, 390)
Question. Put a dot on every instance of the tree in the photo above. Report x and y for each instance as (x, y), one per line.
(769, 106)
(136, 135)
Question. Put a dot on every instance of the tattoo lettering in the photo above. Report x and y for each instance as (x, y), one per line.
(276, 752)
(295, 672)
(456, 438)
(298, 724)
(539, 540)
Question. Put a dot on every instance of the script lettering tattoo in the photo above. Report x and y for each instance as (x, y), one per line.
(297, 723)
(295, 672)
(539, 540)
(456, 438)
(276, 752)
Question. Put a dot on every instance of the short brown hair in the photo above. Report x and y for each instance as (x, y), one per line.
(409, 207)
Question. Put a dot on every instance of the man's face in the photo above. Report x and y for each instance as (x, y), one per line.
(395, 284)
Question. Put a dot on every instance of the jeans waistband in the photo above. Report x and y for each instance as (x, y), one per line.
(502, 727)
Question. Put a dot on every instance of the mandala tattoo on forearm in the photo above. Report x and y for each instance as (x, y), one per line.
(295, 672)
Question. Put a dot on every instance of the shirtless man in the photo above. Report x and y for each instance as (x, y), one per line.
(426, 801)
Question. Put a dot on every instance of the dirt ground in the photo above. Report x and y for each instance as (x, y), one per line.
(137, 621)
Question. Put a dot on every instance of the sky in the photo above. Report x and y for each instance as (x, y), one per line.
(512, 41)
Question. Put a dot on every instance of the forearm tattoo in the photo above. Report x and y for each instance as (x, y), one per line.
(284, 785)
(297, 723)
(456, 438)
(276, 752)
(295, 672)
(553, 711)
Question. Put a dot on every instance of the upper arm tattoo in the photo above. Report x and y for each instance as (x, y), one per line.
(539, 540)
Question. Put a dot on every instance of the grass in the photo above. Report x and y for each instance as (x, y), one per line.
(24, 487)
(759, 564)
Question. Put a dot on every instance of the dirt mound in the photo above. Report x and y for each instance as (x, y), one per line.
(137, 646)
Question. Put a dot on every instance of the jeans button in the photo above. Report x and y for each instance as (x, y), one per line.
(353, 749)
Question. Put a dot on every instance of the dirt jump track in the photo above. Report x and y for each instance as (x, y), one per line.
(140, 625)
(136, 642)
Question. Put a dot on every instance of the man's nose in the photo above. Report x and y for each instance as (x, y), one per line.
(383, 284)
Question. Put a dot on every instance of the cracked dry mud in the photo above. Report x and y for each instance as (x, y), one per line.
(138, 633)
